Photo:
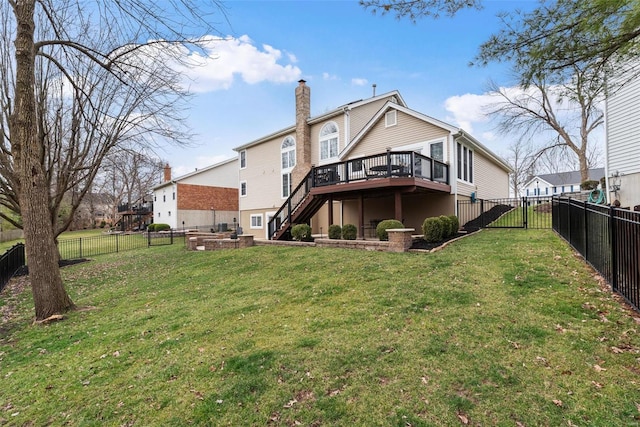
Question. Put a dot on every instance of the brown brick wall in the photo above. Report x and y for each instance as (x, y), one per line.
(201, 197)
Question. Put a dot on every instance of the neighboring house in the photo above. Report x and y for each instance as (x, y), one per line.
(623, 144)
(554, 184)
(207, 197)
(95, 210)
(361, 163)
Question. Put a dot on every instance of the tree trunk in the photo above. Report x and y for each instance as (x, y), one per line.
(584, 164)
(49, 294)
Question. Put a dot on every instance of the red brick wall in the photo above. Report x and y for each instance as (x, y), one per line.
(201, 197)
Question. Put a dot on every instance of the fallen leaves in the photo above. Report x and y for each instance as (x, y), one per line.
(464, 419)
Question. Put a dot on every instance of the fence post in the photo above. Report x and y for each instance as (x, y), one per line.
(148, 239)
(569, 221)
(614, 250)
(171, 234)
(586, 232)
(482, 213)
(525, 212)
(117, 245)
(80, 247)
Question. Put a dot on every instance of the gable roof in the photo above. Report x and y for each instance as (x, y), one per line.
(454, 131)
(324, 116)
(564, 178)
(381, 112)
(195, 172)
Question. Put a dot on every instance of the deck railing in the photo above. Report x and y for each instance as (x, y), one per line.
(392, 164)
(386, 165)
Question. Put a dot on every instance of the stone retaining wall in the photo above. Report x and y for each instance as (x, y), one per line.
(399, 241)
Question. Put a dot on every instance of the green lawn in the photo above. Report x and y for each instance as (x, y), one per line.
(538, 217)
(502, 328)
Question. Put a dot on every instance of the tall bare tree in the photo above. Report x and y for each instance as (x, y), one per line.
(128, 174)
(520, 157)
(78, 80)
(570, 111)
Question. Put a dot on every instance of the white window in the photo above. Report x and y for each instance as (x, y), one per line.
(243, 188)
(436, 152)
(328, 141)
(288, 153)
(243, 159)
(286, 185)
(465, 163)
(288, 161)
(391, 118)
(256, 221)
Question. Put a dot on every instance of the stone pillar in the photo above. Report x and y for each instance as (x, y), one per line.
(400, 239)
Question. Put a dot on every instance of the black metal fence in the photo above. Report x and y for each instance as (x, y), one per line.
(12, 260)
(524, 212)
(607, 237)
(83, 247)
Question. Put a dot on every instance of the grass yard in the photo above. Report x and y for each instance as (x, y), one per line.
(502, 328)
(538, 217)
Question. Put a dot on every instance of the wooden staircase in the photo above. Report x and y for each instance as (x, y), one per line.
(299, 208)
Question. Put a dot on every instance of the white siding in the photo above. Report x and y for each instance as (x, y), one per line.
(361, 115)
(491, 181)
(409, 130)
(224, 175)
(623, 142)
(165, 206)
(623, 129)
(262, 175)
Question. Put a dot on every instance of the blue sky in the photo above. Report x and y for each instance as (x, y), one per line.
(245, 89)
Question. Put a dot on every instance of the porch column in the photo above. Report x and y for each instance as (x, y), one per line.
(398, 205)
(361, 217)
(330, 216)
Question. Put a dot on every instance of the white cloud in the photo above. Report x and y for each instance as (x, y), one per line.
(327, 76)
(228, 58)
(468, 109)
(359, 82)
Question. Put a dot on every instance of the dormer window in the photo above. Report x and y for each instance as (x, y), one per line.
(329, 141)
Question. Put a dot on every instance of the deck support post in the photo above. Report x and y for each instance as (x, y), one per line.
(361, 217)
(398, 205)
(330, 214)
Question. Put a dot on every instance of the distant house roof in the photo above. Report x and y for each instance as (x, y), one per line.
(564, 178)
(196, 172)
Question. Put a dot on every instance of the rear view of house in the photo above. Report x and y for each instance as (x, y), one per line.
(361, 163)
(207, 197)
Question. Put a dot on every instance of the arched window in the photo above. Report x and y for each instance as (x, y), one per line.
(329, 141)
(288, 161)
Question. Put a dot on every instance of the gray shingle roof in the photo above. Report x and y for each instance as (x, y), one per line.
(572, 177)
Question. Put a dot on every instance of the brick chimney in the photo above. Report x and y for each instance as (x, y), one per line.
(303, 133)
(167, 173)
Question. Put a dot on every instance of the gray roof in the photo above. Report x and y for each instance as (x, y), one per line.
(572, 177)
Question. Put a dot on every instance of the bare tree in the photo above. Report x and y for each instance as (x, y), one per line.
(128, 175)
(416, 9)
(520, 157)
(80, 79)
(570, 112)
